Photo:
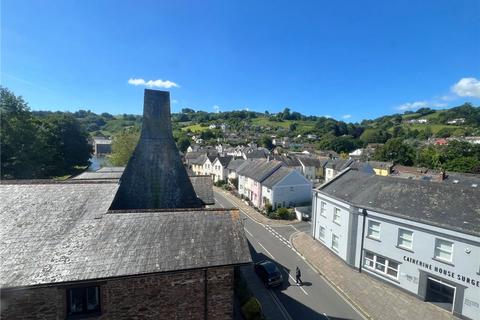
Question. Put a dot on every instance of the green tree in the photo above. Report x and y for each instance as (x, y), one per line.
(429, 157)
(43, 146)
(266, 142)
(293, 126)
(183, 143)
(397, 151)
(22, 150)
(374, 136)
(123, 145)
(464, 164)
(68, 143)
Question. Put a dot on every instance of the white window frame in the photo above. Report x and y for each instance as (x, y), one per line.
(323, 208)
(369, 229)
(334, 236)
(336, 215)
(321, 233)
(371, 264)
(437, 249)
(400, 238)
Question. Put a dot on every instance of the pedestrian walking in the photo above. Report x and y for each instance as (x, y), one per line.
(298, 276)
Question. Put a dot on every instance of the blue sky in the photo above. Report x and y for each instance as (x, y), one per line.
(347, 59)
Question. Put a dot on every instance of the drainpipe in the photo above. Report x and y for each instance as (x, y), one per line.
(205, 308)
(364, 213)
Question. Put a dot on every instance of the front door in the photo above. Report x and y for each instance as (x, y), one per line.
(440, 293)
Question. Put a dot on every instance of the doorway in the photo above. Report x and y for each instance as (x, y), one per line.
(440, 293)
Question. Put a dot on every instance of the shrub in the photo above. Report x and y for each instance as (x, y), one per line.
(284, 214)
(252, 310)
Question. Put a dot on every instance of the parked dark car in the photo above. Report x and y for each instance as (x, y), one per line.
(269, 273)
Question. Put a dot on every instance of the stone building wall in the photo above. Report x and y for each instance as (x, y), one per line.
(179, 295)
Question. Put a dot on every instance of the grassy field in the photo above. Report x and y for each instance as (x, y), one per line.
(196, 128)
(434, 127)
(303, 126)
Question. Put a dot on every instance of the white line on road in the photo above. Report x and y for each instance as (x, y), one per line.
(251, 235)
(271, 255)
(296, 282)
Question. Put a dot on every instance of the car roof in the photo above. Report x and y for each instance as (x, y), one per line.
(269, 266)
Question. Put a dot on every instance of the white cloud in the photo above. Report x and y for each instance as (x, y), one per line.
(467, 87)
(216, 108)
(327, 116)
(167, 84)
(174, 101)
(346, 116)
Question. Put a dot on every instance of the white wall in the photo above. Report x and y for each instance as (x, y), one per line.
(341, 229)
(463, 263)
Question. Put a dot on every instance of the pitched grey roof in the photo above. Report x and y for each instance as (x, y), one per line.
(235, 164)
(309, 161)
(111, 169)
(61, 232)
(99, 175)
(224, 161)
(289, 161)
(256, 153)
(259, 169)
(199, 159)
(203, 186)
(276, 176)
(455, 207)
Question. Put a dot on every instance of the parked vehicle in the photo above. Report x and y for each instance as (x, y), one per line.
(269, 273)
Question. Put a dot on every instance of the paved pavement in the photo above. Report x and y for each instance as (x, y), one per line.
(269, 239)
(380, 301)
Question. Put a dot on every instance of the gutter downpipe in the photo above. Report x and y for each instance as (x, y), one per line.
(364, 213)
(205, 309)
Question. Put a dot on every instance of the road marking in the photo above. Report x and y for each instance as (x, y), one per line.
(251, 235)
(271, 255)
(297, 285)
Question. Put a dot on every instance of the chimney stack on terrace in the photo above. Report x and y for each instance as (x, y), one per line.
(155, 177)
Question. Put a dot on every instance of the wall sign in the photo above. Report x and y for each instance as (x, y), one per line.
(472, 281)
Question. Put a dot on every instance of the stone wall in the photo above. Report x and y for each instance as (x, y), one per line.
(179, 295)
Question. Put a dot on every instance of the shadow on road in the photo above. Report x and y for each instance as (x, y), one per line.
(295, 308)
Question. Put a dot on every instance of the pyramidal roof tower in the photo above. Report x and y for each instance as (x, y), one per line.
(155, 177)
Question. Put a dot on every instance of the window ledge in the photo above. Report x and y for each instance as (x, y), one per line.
(406, 249)
(375, 239)
(444, 261)
(337, 223)
(381, 274)
(85, 315)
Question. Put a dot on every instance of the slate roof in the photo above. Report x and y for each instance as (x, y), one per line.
(310, 162)
(61, 232)
(224, 161)
(199, 160)
(259, 169)
(276, 176)
(111, 169)
(235, 164)
(99, 175)
(203, 186)
(289, 161)
(257, 153)
(455, 207)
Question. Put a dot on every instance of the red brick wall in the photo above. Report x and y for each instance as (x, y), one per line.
(178, 295)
